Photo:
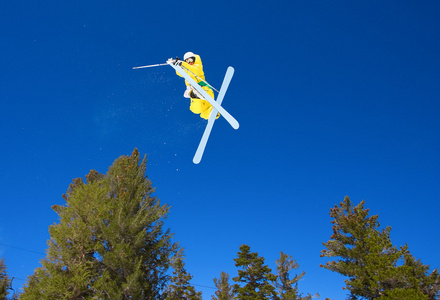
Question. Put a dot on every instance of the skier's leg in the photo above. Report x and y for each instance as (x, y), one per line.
(206, 107)
(196, 105)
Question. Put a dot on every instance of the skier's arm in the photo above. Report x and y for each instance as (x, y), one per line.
(195, 71)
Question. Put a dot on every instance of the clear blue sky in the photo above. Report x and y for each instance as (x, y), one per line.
(334, 98)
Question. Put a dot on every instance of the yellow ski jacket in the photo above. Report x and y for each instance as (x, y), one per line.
(197, 69)
(198, 106)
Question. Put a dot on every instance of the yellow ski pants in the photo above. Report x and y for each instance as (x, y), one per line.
(202, 107)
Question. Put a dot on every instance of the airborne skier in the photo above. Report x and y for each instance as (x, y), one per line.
(201, 94)
(192, 64)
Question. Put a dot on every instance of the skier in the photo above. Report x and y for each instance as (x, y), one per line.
(201, 94)
(192, 64)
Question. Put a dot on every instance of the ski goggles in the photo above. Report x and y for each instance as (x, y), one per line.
(190, 60)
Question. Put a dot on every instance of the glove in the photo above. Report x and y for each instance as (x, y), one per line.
(177, 62)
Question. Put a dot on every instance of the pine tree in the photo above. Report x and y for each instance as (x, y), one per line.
(375, 268)
(110, 242)
(254, 279)
(288, 288)
(224, 290)
(5, 282)
(180, 287)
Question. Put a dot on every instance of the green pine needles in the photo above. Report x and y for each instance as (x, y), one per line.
(5, 281)
(180, 287)
(255, 280)
(110, 242)
(376, 269)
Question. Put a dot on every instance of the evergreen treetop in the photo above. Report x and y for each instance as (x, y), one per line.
(376, 269)
(110, 242)
(180, 287)
(224, 290)
(254, 280)
(5, 283)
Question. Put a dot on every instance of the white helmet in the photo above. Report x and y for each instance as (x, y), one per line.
(188, 55)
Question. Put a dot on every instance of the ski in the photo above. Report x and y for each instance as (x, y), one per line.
(231, 120)
(199, 153)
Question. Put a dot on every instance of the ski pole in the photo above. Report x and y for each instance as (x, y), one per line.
(157, 65)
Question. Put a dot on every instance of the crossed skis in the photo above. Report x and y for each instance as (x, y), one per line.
(216, 105)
